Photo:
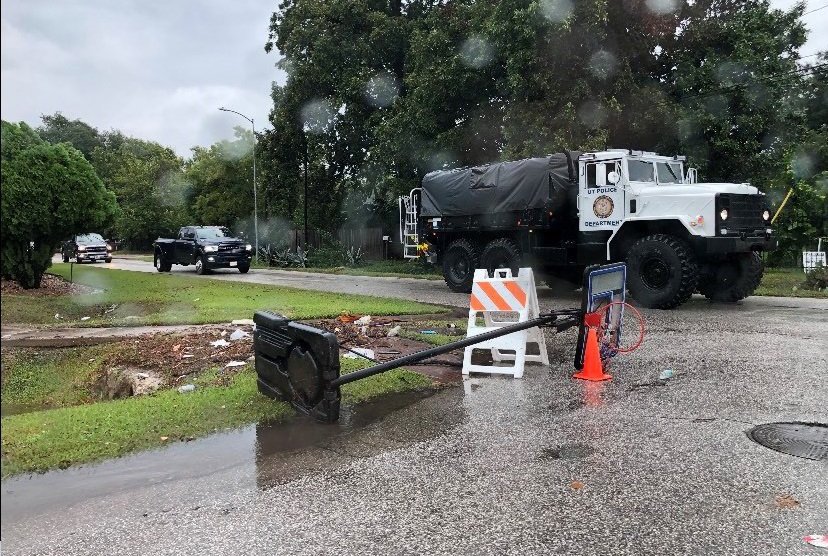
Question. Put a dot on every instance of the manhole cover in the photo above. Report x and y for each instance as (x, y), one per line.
(803, 440)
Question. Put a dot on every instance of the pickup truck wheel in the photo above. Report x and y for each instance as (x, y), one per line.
(733, 279)
(459, 262)
(662, 272)
(65, 257)
(160, 264)
(501, 253)
(201, 265)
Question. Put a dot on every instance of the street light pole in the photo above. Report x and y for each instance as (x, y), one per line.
(255, 189)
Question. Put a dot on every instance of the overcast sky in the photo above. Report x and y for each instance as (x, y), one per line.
(160, 70)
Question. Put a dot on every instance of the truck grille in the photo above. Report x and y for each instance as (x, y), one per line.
(96, 249)
(744, 212)
(229, 248)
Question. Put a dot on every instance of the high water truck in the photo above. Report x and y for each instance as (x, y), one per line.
(565, 211)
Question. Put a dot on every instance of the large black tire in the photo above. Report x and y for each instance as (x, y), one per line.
(732, 279)
(459, 262)
(501, 253)
(160, 264)
(65, 256)
(244, 268)
(662, 272)
(201, 265)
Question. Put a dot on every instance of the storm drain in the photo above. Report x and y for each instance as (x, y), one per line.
(803, 440)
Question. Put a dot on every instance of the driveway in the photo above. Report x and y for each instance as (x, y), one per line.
(541, 465)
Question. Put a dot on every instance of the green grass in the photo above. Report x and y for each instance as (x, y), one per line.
(36, 378)
(786, 282)
(145, 298)
(57, 438)
(388, 268)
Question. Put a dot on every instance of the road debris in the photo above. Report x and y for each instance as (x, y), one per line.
(428, 332)
(665, 374)
(57, 316)
(394, 331)
(239, 334)
(576, 485)
(235, 364)
(242, 322)
(85, 318)
(369, 353)
(186, 388)
(362, 321)
(786, 502)
(820, 541)
(220, 343)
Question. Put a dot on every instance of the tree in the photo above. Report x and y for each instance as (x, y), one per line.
(221, 180)
(148, 182)
(57, 128)
(49, 192)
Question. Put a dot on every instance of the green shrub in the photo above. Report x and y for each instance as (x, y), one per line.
(817, 279)
(49, 192)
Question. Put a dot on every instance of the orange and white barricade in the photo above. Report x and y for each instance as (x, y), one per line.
(497, 302)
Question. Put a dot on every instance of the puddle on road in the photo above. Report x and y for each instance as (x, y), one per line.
(275, 454)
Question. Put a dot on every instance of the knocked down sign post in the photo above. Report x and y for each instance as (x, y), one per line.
(300, 363)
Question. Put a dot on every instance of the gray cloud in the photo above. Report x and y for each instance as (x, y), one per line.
(154, 70)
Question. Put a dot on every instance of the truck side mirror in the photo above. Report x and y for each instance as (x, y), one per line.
(613, 177)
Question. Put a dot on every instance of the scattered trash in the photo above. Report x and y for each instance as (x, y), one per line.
(164, 438)
(394, 331)
(242, 322)
(111, 308)
(187, 356)
(820, 541)
(236, 364)
(346, 318)
(363, 330)
(85, 318)
(176, 347)
(452, 325)
(220, 343)
(57, 316)
(576, 485)
(91, 360)
(363, 320)
(186, 388)
(197, 299)
(786, 502)
(141, 375)
(224, 333)
(361, 351)
(428, 332)
(238, 334)
(665, 374)
(130, 317)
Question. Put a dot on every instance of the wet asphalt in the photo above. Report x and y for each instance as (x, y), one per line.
(541, 465)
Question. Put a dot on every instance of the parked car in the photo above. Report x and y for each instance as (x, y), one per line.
(87, 247)
(206, 247)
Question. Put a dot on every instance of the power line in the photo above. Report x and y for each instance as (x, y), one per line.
(815, 9)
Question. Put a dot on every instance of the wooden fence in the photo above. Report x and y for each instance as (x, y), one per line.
(369, 239)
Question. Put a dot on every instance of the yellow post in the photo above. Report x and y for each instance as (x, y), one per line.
(785, 200)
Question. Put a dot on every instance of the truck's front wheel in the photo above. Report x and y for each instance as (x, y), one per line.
(459, 262)
(201, 265)
(661, 271)
(733, 279)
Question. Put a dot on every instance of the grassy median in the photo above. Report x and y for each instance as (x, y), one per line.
(76, 431)
(125, 298)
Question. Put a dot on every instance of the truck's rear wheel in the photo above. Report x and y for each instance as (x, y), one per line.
(661, 271)
(160, 264)
(459, 262)
(733, 279)
(501, 253)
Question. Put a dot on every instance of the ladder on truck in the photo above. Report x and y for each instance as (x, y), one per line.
(409, 206)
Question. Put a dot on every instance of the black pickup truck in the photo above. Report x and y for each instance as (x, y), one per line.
(206, 247)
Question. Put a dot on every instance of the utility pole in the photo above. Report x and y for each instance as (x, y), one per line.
(305, 135)
(255, 189)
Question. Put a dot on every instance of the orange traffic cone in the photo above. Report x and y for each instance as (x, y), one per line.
(593, 369)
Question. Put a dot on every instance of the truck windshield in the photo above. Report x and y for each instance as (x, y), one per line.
(89, 238)
(212, 233)
(641, 170)
(669, 172)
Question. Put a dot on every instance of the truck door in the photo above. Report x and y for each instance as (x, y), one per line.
(184, 246)
(601, 195)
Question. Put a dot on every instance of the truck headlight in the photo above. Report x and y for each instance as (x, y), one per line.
(81, 247)
(723, 214)
(766, 215)
(210, 248)
(109, 248)
(248, 247)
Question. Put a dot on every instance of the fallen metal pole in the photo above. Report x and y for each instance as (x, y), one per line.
(568, 318)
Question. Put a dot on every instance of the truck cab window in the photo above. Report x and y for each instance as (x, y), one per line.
(641, 171)
(596, 174)
(669, 172)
